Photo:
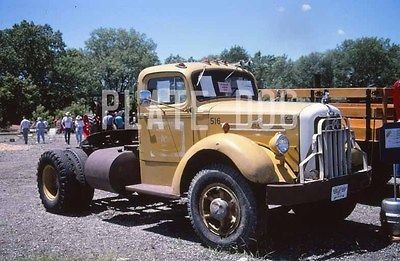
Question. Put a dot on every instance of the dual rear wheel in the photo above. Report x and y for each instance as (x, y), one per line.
(61, 183)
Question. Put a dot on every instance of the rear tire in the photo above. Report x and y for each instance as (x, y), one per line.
(57, 178)
(56, 182)
(223, 208)
(325, 211)
(84, 193)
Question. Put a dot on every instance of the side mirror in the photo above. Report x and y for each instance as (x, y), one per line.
(144, 98)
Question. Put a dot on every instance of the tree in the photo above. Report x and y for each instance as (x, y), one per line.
(307, 67)
(18, 97)
(75, 78)
(211, 57)
(117, 56)
(365, 61)
(234, 54)
(28, 53)
(272, 71)
(175, 59)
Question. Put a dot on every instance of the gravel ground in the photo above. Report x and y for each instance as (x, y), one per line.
(118, 229)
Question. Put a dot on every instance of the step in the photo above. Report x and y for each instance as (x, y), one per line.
(150, 189)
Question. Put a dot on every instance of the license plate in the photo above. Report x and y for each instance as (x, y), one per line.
(339, 192)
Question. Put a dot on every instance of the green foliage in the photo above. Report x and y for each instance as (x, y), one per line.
(211, 57)
(76, 108)
(28, 53)
(365, 61)
(117, 56)
(234, 54)
(76, 78)
(175, 59)
(272, 71)
(43, 113)
(18, 97)
(309, 66)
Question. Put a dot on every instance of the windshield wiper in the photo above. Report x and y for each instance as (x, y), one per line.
(200, 76)
(230, 74)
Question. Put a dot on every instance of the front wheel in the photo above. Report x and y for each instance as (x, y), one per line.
(223, 209)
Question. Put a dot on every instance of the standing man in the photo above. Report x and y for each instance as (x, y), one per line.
(79, 129)
(24, 128)
(67, 125)
(40, 129)
(108, 121)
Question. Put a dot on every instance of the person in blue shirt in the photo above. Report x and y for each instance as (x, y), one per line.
(40, 129)
(108, 121)
(119, 120)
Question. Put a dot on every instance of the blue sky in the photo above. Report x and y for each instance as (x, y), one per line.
(205, 27)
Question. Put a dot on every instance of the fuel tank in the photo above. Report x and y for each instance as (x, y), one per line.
(112, 169)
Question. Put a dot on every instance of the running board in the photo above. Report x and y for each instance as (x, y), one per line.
(156, 190)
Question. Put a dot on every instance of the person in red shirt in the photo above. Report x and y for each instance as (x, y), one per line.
(86, 126)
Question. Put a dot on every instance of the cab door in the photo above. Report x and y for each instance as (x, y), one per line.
(165, 133)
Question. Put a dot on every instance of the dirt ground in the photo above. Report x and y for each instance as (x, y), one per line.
(121, 229)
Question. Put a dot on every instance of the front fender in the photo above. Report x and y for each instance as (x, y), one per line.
(256, 163)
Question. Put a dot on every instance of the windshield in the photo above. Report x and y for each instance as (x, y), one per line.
(215, 84)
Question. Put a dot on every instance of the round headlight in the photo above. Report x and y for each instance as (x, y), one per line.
(280, 143)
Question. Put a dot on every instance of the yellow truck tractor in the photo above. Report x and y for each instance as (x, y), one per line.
(204, 134)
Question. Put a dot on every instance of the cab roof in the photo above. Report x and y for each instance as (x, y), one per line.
(188, 68)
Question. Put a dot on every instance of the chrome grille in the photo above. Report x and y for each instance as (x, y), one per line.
(334, 143)
(331, 148)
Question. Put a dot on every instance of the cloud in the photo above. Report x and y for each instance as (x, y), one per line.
(281, 9)
(341, 32)
(305, 7)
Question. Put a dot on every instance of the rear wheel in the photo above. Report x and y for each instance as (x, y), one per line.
(56, 182)
(84, 193)
(325, 211)
(223, 208)
(59, 189)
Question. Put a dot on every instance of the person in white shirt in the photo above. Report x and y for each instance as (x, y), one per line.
(78, 129)
(24, 128)
(40, 129)
(67, 125)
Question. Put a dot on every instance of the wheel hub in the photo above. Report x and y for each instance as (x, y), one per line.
(219, 209)
(50, 182)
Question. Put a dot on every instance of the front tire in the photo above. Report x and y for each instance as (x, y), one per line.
(223, 208)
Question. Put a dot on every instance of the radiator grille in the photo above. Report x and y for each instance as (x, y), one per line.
(334, 144)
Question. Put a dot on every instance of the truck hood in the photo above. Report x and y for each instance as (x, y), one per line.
(253, 107)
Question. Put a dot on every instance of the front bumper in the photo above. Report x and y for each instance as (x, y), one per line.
(300, 193)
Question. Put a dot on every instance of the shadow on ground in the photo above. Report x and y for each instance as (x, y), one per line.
(288, 237)
(373, 196)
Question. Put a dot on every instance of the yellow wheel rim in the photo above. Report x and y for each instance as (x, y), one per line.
(50, 182)
(220, 209)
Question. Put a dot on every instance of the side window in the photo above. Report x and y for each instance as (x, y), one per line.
(170, 90)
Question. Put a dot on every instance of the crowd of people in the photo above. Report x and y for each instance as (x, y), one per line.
(81, 126)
